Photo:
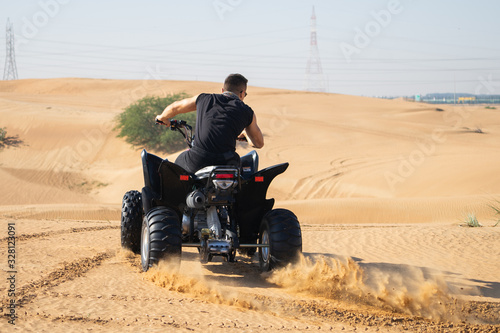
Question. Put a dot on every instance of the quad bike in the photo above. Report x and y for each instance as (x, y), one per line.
(219, 210)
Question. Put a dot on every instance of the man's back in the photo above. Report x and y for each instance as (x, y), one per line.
(220, 119)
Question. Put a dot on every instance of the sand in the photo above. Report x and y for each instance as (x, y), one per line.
(382, 189)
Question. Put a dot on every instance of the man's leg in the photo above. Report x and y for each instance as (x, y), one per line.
(183, 161)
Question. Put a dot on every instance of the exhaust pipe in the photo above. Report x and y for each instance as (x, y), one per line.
(195, 199)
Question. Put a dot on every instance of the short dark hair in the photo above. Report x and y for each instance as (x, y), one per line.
(235, 83)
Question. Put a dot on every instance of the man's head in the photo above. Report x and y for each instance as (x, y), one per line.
(237, 84)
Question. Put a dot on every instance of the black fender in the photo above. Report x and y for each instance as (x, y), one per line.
(176, 183)
(149, 199)
(150, 165)
(151, 191)
(165, 184)
(251, 202)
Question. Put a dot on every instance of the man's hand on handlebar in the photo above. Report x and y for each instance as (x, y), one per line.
(173, 124)
(158, 121)
(242, 138)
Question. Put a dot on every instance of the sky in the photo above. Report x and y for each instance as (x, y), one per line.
(366, 47)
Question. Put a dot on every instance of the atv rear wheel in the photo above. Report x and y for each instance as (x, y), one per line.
(280, 230)
(131, 221)
(161, 237)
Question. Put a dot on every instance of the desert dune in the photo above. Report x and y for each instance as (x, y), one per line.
(382, 189)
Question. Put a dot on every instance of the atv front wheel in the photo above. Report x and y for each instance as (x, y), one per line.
(280, 230)
(131, 220)
(161, 237)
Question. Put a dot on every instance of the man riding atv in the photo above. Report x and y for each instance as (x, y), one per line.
(221, 120)
(209, 198)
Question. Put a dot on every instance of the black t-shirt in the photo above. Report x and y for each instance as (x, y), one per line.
(220, 119)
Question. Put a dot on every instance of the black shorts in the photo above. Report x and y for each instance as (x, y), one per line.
(195, 159)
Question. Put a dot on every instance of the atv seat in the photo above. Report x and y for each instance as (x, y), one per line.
(249, 164)
(204, 172)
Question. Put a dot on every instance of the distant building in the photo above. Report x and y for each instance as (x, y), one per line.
(462, 98)
(467, 99)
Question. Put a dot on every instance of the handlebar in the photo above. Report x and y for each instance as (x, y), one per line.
(182, 127)
(186, 130)
(175, 124)
(243, 139)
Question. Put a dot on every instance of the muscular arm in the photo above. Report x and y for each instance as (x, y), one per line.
(253, 134)
(183, 106)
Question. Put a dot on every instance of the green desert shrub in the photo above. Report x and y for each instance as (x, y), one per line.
(3, 134)
(137, 124)
(496, 207)
(471, 221)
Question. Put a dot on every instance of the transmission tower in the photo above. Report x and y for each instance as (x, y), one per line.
(314, 73)
(10, 70)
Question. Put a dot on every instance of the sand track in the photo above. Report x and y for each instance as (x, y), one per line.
(27, 294)
(104, 288)
(59, 232)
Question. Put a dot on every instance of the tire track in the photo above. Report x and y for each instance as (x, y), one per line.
(24, 237)
(339, 309)
(324, 184)
(110, 323)
(330, 312)
(69, 271)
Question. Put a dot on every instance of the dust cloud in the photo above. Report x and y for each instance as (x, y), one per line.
(398, 288)
(407, 290)
(189, 279)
